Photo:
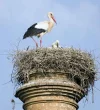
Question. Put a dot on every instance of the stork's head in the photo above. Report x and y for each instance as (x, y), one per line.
(57, 43)
(51, 16)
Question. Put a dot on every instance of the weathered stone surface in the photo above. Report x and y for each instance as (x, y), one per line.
(50, 93)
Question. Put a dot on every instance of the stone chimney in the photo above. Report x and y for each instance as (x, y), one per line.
(51, 90)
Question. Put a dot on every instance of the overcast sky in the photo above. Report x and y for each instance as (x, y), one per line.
(78, 25)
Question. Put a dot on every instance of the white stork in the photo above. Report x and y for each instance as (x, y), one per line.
(56, 44)
(41, 28)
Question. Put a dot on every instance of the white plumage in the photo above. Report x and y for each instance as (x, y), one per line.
(42, 25)
(56, 44)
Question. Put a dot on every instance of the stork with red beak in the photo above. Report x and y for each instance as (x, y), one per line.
(40, 29)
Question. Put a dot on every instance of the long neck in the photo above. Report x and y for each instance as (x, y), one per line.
(51, 24)
(51, 20)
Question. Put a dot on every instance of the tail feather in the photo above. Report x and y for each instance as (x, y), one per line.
(25, 35)
(29, 32)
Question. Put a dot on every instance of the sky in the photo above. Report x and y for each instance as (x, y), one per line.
(78, 25)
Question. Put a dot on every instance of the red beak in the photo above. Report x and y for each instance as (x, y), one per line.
(54, 19)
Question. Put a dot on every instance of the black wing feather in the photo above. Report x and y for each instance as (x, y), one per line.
(32, 31)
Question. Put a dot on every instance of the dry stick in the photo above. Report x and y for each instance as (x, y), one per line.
(97, 88)
(7, 82)
(86, 100)
(17, 46)
(97, 78)
(92, 95)
(11, 74)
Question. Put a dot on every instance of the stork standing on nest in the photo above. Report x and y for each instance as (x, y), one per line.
(40, 29)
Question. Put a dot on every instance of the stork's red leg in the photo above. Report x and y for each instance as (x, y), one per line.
(40, 41)
(35, 42)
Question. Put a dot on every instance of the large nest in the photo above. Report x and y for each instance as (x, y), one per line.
(76, 64)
